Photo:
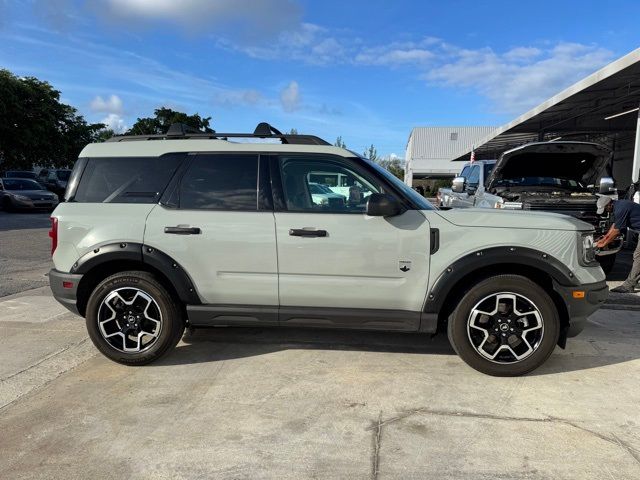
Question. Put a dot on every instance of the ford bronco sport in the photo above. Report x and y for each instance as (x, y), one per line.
(198, 229)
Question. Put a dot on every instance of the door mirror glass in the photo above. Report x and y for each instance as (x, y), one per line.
(458, 184)
(383, 205)
(607, 185)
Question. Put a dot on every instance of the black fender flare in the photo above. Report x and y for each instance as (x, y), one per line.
(137, 252)
(477, 260)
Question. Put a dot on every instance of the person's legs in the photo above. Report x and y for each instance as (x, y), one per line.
(634, 276)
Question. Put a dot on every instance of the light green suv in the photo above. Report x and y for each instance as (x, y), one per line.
(200, 229)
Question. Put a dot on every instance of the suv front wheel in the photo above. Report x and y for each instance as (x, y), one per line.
(132, 319)
(505, 325)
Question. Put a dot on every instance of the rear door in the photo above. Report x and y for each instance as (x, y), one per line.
(361, 271)
(218, 225)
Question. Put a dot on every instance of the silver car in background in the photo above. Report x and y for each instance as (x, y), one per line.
(25, 194)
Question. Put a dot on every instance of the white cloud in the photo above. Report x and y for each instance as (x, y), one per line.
(520, 78)
(115, 122)
(113, 104)
(290, 97)
(252, 18)
(393, 57)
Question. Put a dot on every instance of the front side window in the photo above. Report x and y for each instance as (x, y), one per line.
(126, 179)
(325, 185)
(220, 182)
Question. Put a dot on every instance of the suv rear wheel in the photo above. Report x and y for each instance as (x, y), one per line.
(132, 319)
(505, 325)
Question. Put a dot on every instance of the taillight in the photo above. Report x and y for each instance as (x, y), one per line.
(53, 234)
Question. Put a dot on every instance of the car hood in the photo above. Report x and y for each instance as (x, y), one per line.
(579, 161)
(33, 194)
(489, 218)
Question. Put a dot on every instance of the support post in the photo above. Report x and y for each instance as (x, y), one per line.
(635, 173)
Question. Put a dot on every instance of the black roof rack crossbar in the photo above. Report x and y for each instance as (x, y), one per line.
(179, 131)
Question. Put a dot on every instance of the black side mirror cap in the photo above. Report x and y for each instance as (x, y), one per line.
(383, 205)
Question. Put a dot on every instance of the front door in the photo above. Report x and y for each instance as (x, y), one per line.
(333, 257)
(219, 231)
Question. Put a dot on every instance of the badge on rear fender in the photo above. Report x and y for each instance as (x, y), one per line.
(404, 265)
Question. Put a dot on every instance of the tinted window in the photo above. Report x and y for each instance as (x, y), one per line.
(317, 184)
(221, 182)
(63, 174)
(126, 179)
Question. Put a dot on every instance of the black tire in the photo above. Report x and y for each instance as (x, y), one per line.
(459, 335)
(171, 319)
(607, 262)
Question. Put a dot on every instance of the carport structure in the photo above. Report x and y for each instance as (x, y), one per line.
(602, 107)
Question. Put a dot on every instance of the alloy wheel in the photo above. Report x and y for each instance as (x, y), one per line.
(505, 327)
(130, 320)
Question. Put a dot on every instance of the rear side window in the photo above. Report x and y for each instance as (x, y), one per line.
(220, 182)
(126, 179)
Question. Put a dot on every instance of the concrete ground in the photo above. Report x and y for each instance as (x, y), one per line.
(272, 403)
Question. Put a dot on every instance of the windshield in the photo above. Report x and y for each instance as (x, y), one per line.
(315, 188)
(418, 199)
(22, 175)
(563, 183)
(63, 174)
(20, 184)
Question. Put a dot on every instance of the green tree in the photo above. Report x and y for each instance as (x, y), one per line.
(293, 131)
(340, 143)
(36, 128)
(371, 153)
(393, 164)
(162, 120)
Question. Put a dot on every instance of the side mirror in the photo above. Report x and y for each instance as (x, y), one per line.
(458, 184)
(383, 205)
(607, 185)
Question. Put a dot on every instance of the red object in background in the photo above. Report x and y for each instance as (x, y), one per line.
(53, 234)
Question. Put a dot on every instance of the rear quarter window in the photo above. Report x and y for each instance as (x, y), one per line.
(126, 179)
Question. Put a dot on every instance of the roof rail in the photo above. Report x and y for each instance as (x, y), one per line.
(180, 131)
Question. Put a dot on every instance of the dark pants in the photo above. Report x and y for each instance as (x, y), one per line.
(634, 275)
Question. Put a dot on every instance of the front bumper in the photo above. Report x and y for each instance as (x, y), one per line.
(64, 287)
(581, 301)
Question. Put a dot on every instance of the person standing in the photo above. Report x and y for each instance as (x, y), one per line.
(626, 214)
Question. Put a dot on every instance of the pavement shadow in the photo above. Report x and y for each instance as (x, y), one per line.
(206, 345)
(215, 344)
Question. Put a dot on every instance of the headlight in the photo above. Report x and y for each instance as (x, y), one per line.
(22, 198)
(587, 250)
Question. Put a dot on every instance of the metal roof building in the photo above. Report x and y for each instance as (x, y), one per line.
(602, 107)
(430, 150)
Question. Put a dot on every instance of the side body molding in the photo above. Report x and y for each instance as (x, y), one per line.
(495, 256)
(137, 252)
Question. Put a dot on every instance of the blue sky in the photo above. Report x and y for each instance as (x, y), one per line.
(366, 70)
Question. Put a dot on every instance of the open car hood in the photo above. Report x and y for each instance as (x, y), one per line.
(580, 161)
